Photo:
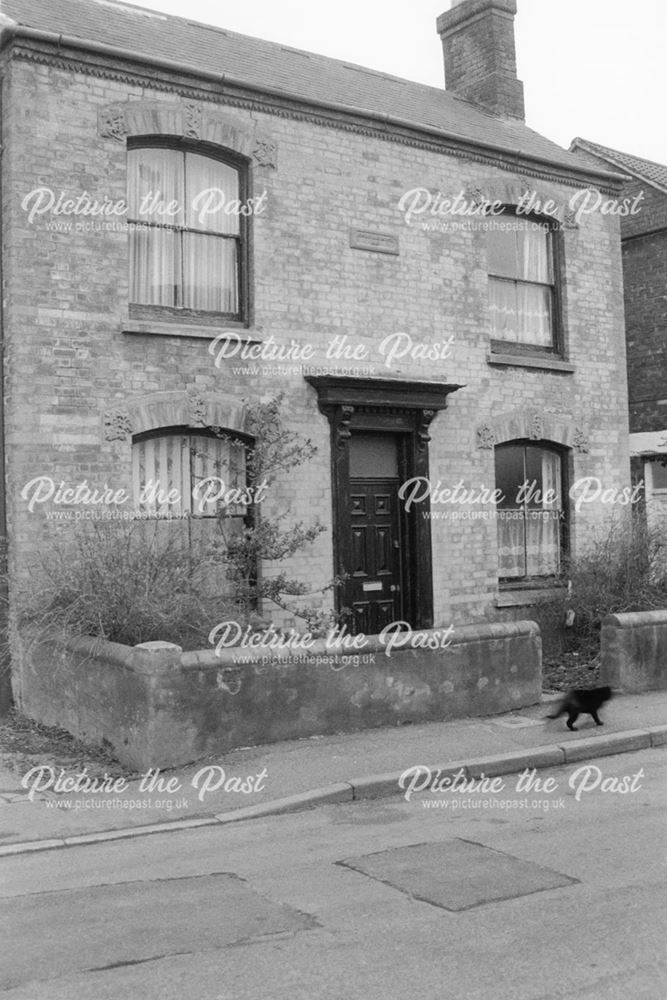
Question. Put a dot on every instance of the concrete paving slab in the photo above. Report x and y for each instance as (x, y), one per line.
(195, 914)
(457, 874)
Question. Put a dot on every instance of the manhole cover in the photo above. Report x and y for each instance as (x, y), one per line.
(457, 874)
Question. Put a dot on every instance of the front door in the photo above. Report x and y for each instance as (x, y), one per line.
(374, 586)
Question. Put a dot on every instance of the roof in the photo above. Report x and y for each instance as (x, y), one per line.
(646, 170)
(154, 36)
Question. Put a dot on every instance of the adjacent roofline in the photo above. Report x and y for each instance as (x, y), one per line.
(605, 153)
(12, 30)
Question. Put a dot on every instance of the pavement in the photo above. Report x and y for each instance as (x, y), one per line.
(48, 808)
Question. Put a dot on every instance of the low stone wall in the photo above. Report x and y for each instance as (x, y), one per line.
(166, 708)
(634, 651)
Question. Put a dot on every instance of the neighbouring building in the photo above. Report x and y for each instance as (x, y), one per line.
(644, 249)
(194, 220)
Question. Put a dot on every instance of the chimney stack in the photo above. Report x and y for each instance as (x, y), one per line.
(480, 56)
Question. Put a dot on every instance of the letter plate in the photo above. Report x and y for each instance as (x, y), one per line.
(375, 585)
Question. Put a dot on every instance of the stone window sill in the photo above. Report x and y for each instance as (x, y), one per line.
(174, 328)
(530, 361)
(516, 598)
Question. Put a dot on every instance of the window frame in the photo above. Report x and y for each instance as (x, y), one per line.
(194, 432)
(545, 581)
(160, 313)
(556, 254)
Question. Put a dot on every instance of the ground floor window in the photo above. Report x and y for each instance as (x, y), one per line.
(655, 481)
(530, 511)
(193, 487)
(179, 474)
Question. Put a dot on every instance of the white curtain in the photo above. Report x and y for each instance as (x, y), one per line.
(520, 285)
(155, 181)
(175, 463)
(209, 273)
(211, 189)
(170, 265)
(529, 538)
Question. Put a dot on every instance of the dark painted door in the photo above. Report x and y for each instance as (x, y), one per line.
(374, 585)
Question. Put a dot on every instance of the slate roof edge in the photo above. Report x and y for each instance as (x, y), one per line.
(11, 30)
(605, 153)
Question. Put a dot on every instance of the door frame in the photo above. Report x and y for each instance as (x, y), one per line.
(400, 408)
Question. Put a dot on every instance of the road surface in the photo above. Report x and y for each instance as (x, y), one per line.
(433, 898)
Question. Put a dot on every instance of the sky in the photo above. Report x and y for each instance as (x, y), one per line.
(590, 68)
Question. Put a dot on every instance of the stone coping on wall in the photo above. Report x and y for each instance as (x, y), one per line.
(144, 661)
(634, 619)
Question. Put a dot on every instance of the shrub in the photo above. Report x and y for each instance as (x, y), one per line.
(624, 569)
(125, 581)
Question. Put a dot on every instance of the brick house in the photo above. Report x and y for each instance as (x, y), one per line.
(644, 249)
(194, 219)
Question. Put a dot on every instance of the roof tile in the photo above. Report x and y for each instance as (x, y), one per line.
(262, 64)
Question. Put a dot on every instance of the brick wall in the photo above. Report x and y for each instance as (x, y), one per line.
(644, 242)
(69, 361)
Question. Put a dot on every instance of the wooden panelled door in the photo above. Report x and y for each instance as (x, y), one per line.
(374, 588)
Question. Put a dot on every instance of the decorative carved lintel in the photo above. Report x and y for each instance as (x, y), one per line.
(265, 153)
(117, 425)
(535, 425)
(570, 219)
(486, 437)
(580, 440)
(111, 123)
(342, 420)
(197, 409)
(192, 120)
(423, 436)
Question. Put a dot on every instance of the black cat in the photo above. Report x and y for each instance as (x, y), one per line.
(586, 701)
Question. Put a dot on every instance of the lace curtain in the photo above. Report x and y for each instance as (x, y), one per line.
(529, 536)
(520, 284)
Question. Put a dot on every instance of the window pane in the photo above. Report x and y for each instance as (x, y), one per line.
(502, 252)
(509, 474)
(520, 313)
(210, 273)
(542, 543)
(659, 472)
(160, 474)
(529, 534)
(373, 456)
(543, 469)
(155, 186)
(155, 268)
(218, 470)
(533, 262)
(211, 194)
(511, 546)
(533, 320)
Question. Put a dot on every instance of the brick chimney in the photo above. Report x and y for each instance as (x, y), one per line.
(480, 56)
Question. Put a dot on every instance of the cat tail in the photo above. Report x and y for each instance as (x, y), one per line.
(561, 711)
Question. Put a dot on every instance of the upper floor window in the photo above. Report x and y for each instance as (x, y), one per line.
(531, 512)
(187, 233)
(522, 286)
